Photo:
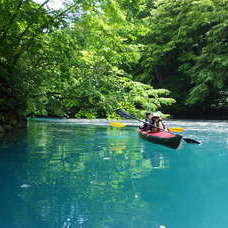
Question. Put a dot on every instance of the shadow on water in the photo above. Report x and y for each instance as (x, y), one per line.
(61, 175)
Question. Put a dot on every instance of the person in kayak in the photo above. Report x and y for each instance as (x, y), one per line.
(147, 122)
(156, 123)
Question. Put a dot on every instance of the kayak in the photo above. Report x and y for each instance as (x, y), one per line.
(163, 138)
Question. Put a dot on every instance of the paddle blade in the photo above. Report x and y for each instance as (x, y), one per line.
(176, 129)
(187, 140)
(123, 114)
(115, 124)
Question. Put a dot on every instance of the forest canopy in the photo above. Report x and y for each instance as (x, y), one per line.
(89, 58)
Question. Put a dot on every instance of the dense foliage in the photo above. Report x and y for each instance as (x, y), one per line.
(91, 57)
(68, 62)
(186, 52)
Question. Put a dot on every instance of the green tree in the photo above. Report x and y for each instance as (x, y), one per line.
(22, 26)
(90, 63)
(74, 61)
(180, 52)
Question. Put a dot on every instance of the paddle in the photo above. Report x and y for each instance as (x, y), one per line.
(174, 129)
(116, 124)
(128, 116)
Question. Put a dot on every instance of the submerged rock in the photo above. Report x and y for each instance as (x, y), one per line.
(25, 186)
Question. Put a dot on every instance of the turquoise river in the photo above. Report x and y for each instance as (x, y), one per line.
(58, 174)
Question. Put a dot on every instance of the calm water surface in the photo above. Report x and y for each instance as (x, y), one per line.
(62, 175)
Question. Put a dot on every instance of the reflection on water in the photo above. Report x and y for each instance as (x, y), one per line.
(62, 175)
(157, 159)
(67, 176)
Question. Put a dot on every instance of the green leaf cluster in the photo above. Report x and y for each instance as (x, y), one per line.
(73, 62)
(90, 58)
(186, 52)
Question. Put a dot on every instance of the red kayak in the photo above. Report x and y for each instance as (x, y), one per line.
(164, 138)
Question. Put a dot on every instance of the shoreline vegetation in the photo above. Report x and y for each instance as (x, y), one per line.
(90, 58)
(9, 128)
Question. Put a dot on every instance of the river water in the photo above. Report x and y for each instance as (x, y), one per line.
(61, 174)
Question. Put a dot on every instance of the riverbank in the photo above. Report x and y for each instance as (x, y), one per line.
(185, 123)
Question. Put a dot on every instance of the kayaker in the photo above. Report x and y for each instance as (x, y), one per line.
(157, 124)
(147, 125)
